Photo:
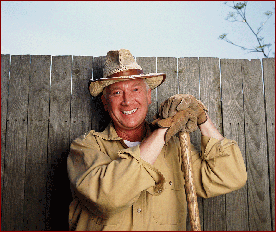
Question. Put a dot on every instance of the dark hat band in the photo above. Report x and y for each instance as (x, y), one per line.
(129, 72)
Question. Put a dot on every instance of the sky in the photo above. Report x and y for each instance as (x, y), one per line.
(146, 28)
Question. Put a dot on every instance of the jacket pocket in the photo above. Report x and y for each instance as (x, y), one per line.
(169, 208)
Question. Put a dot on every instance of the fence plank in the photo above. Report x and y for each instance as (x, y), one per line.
(14, 178)
(37, 138)
(214, 208)
(81, 110)
(256, 147)
(35, 197)
(38, 111)
(167, 65)
(58, 196)
(269, 81)
(5, 69)
(100, 117)
(148, 65)
(233, 127)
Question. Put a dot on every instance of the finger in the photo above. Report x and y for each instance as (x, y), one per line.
(187, 101)
(173, 107)
(166, 108)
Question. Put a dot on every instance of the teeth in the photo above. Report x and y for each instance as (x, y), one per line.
(129, 112)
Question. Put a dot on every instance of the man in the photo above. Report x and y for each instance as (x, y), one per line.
(130, 177)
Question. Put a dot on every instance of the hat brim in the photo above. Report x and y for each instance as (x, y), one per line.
(153, 80)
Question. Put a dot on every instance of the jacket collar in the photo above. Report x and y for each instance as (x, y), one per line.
(110, 133)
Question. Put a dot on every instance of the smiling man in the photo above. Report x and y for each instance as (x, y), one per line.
(130, 177)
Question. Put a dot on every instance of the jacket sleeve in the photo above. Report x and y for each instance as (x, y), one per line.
(111, 185)
(219, 168)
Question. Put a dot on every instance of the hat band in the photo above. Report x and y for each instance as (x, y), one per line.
(129, 72)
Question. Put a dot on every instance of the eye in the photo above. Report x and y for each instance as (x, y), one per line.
(136, 89)
(116, 92)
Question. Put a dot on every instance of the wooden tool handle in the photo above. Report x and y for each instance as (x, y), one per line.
(189, 181)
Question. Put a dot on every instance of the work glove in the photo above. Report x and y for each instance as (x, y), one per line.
(181, 102)
(181, 112)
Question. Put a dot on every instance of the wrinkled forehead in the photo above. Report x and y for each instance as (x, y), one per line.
(127, 84)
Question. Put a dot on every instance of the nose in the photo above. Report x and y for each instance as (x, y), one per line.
(127, 98)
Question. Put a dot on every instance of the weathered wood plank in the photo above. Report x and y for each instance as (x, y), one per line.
(14, 178)
(214, 208)
(35, 197)
(60, 97)
(5, 72)
(269, 84)
(100, 118)
(169, 88)
(58, 190)
(148, 65)
(188, 81)
(37, 138)
(38, 111)
(233, 127)
(81, 108)
(256, 147)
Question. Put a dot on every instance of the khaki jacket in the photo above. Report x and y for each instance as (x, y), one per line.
(114, 189)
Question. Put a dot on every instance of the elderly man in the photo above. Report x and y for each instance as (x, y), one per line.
(130, 177)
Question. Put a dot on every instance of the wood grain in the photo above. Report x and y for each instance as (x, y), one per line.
(58, 186)
(189, 181)
(5, 73)
(100, 118)
(233, 128)
(37, 140)
(81, 108)
(256, 147)
(169, 88)
(269, 88)
(214, 208)
(16, 137)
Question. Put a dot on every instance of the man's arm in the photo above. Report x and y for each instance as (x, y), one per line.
(151, 147)
(208, 129)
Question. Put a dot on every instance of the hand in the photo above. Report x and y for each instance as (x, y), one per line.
(181, 112)
(181, 102)
(184, 120)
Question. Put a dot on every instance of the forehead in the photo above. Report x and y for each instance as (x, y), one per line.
(127, 84)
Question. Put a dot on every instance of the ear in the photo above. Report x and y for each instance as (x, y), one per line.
(149, 96)
(104, 101)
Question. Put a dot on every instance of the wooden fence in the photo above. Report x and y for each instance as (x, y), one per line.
(45, 104)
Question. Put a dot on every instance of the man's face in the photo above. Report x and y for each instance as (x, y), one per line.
(127, 103)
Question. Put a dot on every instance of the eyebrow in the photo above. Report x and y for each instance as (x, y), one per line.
(112, 88)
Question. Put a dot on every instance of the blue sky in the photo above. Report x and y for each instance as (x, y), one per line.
(146, 28)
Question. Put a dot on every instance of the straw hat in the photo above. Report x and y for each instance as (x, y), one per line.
(121, 66)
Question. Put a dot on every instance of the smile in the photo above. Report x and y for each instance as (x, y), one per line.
(130, 112)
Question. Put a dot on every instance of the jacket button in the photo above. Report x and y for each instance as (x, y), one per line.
(170, 183)
(139, 210)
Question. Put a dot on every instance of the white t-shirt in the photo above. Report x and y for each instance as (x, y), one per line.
(132, 144)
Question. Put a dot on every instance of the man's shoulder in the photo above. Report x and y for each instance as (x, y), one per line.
(90, 137)
(85, 139)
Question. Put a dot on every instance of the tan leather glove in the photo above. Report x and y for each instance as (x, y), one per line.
(181, 102)
(181, 112)
(184, 120)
